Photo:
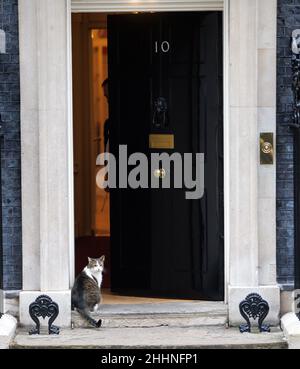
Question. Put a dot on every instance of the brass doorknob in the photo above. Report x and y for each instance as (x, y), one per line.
(267, 148)
(159, 173)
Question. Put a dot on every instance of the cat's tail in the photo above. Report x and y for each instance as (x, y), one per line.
(89, 319)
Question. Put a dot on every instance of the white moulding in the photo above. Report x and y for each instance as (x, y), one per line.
(149, 5)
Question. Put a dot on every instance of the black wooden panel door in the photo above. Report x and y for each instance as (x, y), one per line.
(162, 243)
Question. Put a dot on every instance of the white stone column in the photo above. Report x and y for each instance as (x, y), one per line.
(46, 151)
(267, 76)
(252, 224)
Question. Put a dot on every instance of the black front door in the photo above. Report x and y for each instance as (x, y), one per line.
(165, 80)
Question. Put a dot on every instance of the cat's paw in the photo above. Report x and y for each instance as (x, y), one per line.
(96, 309)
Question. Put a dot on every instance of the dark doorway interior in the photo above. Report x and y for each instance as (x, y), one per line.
(156, 242)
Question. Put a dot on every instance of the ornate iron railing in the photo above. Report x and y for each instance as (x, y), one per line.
(254, 306)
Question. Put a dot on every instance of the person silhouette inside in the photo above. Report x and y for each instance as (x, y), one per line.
(106, 123)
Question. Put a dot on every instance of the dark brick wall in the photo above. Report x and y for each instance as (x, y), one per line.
(11, 147)
(288, 20)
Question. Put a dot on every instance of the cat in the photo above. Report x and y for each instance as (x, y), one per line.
(86, 292)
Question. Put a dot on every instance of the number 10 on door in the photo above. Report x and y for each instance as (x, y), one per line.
(162, 46)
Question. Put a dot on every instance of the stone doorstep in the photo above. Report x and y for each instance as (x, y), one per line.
(152, 338)
(157, 320)
(156, 315)
(290, 325)
(8, 326)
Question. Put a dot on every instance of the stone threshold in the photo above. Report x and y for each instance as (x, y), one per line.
(172, 314)
(199, 307)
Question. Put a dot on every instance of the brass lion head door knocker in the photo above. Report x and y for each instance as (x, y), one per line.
(160, 114)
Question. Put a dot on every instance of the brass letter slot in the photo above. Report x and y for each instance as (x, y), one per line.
(266, 148)
(161, 141)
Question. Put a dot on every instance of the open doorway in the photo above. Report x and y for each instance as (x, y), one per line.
(156, 242)
(92, 204)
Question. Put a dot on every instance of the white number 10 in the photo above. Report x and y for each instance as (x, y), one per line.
(164, 46)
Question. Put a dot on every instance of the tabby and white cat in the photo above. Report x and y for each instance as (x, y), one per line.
(86, 292)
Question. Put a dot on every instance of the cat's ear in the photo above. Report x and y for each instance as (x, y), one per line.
(89, 259)
(102, 259)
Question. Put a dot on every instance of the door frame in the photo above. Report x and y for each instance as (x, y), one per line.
(250, 36)
(123, 6)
